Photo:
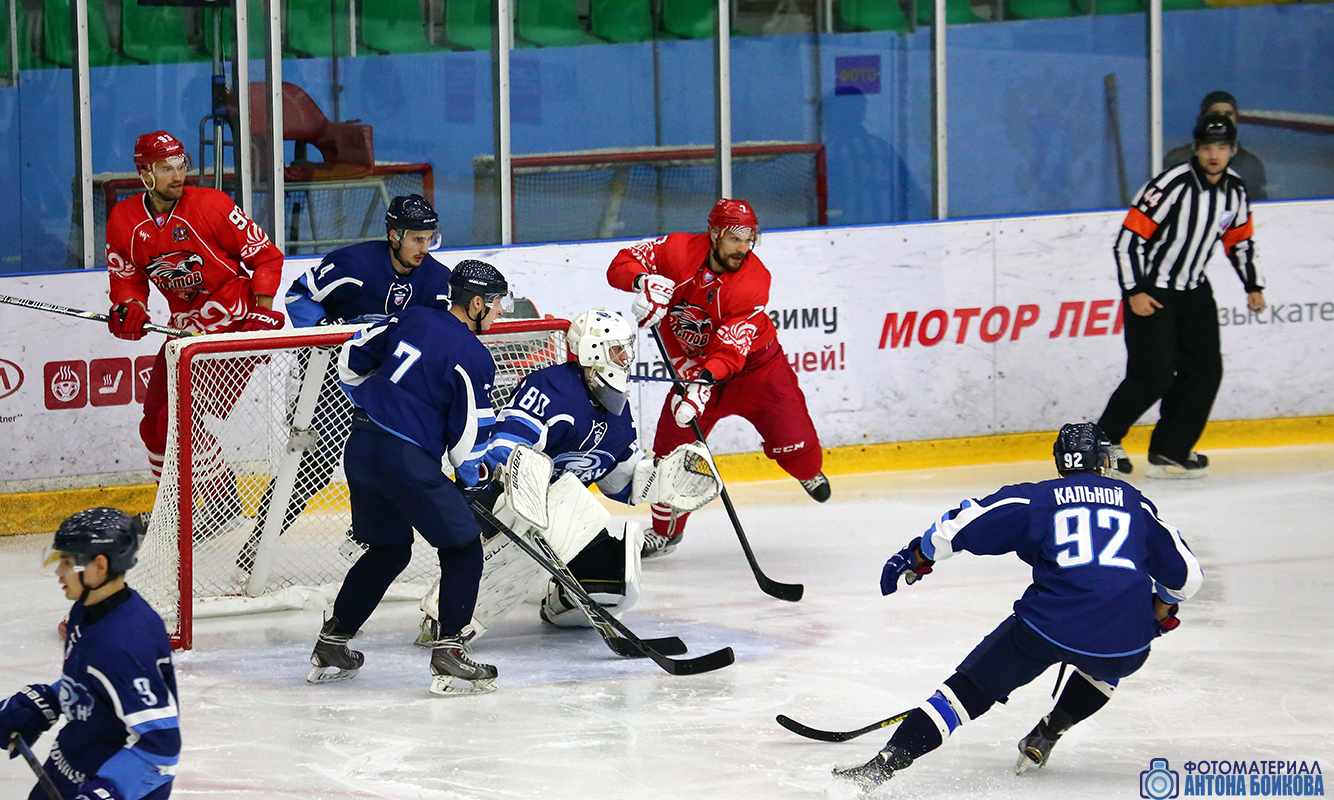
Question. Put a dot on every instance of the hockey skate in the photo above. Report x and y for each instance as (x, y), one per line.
(1196, 465)
(655, 544)
(817, 488)
(332, 652)
(216, 518)
(874, 773)
(1035, 748)
(1120, 460)
(455, 673)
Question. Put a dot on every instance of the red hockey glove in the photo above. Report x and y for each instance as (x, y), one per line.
(1167, 616)
(689, 404)
(127, 320)
(655, 293)
(263, 319)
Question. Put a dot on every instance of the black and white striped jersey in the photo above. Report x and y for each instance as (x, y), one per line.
(1170, 232)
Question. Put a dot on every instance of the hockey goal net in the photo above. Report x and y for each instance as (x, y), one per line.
(252, 510)
(646, 191)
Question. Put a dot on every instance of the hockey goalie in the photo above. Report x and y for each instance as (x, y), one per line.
(566, 427)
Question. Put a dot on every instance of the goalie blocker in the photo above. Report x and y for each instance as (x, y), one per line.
(606, 557)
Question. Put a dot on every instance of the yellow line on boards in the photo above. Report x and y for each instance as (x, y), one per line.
(42, 512)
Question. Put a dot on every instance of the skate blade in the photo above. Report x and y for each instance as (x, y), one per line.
(451, 686)
(1175, 473)
(323, 675)
(1024, 764)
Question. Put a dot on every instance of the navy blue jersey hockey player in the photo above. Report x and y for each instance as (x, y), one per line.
(577, 413)
(358, 284)
(117, 689)
(420, 381)
(367, 282)
(1108, 574)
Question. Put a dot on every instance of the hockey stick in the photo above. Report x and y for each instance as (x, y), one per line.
(43, 780)
(771, 587)
(685, 666)
(93, 315)
(837, 736)
(652, 379)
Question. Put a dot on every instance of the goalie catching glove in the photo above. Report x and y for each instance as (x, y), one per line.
(908, 562)
(685, 479)
(654, 295)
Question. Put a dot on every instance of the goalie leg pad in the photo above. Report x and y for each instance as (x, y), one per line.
(608, 569)
(509, 576)
(575, 517)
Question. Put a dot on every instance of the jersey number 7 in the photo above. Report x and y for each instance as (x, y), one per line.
(1073, 527)
(409, 354)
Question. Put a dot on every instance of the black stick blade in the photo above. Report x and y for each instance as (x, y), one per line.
(668, 646)
(694, 666)
(836, 736)
(792, 592)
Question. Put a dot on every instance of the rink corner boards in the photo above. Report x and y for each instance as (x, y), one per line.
(42, 512)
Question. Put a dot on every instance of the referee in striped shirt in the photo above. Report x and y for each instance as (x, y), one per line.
(1172, 343)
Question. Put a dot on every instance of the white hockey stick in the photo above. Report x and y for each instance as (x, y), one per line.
(93, 315)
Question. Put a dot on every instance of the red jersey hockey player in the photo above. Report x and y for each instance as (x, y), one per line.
(710, 290)
(217, 269)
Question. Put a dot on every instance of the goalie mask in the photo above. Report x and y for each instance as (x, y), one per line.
(604, 344)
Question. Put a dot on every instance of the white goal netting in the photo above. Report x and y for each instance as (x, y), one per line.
(252, 511)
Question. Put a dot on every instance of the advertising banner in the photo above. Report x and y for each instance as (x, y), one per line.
(897, 333)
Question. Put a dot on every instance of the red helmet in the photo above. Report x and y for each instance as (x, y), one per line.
(734, 215)
(154, 147)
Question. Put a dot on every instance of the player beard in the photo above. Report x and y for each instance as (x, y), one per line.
(731, 263)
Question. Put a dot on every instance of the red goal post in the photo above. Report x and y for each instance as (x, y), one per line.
(256, 422)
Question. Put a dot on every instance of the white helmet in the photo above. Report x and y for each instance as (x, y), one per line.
(604, 344)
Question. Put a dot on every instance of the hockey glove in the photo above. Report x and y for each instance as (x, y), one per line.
(262, 319)
(655, 293)
(98, 789)
(688, 405)
(29, 712)
(127, 320)
(1167, 616)
(905, 563)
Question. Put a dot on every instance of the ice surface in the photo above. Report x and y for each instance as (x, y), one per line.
(1249, 675)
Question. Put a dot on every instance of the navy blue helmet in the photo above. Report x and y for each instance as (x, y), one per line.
(102, 531)
(411, 213)
(1215, 128)
(1082, 447)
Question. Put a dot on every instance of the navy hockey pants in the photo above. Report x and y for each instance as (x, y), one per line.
(1015, 654)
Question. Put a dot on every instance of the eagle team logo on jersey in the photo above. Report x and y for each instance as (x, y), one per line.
(180, 272)
(398, 297)
(692, 325)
